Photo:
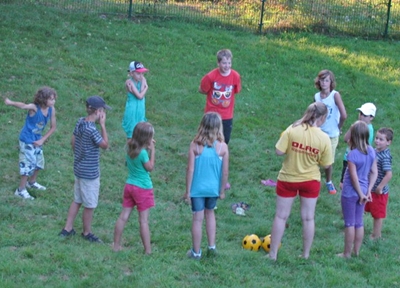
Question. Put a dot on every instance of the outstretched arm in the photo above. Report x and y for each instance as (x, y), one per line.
(20, 105)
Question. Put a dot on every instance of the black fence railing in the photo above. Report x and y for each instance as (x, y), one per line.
(361, 18)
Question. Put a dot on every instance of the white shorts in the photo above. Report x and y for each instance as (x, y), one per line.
(86, 192)
(30, 158)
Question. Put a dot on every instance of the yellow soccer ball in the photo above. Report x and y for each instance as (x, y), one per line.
(251, 242)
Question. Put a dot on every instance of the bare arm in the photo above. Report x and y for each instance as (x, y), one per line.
(20, 105)
(342, 110)
(279, 152)
(384, 182)
(202, 91)
(373, 175)
(102, 121)
(73, 142)
(190, 170)
(132, 88)
(225, 169)
(149, 165)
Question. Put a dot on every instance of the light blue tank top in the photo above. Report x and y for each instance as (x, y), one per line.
(207, 173)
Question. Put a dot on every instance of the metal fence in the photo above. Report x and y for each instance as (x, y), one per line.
(361, 18)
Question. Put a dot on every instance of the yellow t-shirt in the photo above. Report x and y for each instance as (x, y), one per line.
(306, 149)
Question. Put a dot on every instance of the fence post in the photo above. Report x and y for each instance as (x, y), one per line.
(385, 34)
(261, 17)
(130, 9)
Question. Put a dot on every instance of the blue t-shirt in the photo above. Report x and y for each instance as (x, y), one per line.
(86, 150)
(207, 173)
(363, 164)
(34, 126)
(137, 174)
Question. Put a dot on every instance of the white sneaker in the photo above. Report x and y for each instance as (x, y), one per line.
(23, 194)
(35, 186)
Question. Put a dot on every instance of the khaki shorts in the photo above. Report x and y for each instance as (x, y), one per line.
(30, 158)
(86, 192)
(334, 144)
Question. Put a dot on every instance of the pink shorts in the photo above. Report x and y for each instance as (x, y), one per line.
(136, 196)
(377, 207)
(307, 189)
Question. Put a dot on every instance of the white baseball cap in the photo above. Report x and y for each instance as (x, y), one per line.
(368, 109)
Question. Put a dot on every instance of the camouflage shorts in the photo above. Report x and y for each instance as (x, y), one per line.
(30, 158)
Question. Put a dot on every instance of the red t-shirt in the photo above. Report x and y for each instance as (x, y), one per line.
(221, 92)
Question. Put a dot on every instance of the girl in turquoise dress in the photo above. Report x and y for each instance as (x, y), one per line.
(135, 107)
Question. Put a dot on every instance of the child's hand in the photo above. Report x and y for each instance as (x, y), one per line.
(152, 144)
(102, 117)
(186, 198)
(7, 101)
(363, 199)
(222, 195)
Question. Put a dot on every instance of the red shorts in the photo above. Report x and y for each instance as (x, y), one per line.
(378, 206)
(136, 196)
(307, 189)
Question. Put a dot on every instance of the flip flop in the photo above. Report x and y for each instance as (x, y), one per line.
(268, 182)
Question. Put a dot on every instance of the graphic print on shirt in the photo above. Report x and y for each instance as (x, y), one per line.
(221, 95)
(39, 127)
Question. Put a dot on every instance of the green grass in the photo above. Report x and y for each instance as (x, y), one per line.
(81, 55)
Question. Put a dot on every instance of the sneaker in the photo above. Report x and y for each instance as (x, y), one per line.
(227, 186)
(331, 188)
(23, 194)
(65, 233)
(92, 238)
(35, 185)
(212, 252)
(191, 254)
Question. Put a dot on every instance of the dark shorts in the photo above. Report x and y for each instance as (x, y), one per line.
(201, 203)
(136, 196)
(307, 189)
(378, 206)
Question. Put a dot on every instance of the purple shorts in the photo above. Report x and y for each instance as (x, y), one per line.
(352, 211)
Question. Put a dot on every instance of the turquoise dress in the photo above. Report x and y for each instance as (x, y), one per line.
(135, 111)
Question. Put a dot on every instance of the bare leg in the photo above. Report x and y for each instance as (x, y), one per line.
(377, 232)
(283, 208)
(87, 217)
(198, 218)
(210, 226)
(32, 179)
(22, 182)
(144, 230)
(328, 174)
(358, 238)
(349, 236)
(72, 212)
(119, 227)
(307, 216)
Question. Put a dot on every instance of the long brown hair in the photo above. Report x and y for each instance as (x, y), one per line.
(359, 136)
(141, 137)
(210, 129)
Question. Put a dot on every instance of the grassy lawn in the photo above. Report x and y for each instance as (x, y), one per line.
(82, 55)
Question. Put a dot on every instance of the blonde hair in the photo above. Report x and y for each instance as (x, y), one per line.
(141, 137)
(359, 136)
(224, 53)
(322, 75)
(210, 130)
(314, 112)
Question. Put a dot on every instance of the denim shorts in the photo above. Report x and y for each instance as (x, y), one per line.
(201, 203)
